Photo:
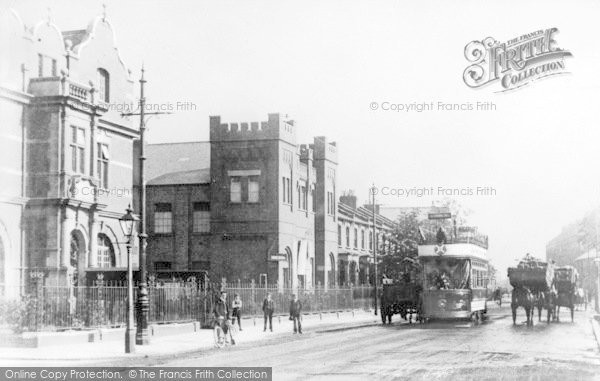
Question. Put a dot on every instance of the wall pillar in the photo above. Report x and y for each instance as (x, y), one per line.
(93, 244)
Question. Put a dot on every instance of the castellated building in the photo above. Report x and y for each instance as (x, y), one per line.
(254, 205)
(251, 204)
(65, 153)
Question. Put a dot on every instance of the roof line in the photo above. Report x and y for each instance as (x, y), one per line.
(158, 144)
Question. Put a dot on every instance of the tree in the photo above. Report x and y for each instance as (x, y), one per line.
(399, 259)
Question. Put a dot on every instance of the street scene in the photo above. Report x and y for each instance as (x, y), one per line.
(298, 190)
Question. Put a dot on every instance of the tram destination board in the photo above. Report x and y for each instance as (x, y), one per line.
(439, 216)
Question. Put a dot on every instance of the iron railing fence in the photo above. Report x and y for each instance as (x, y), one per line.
(313, 300)
(52, 308)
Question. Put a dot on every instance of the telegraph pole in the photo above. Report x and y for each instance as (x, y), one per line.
(374, 247)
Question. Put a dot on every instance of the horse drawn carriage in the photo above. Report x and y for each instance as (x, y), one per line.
(532, 287)
(565, 284)
(400, 297)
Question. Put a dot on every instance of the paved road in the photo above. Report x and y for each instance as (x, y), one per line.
(493, 350)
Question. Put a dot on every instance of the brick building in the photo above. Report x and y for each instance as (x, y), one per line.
(251, 204)
(577, 245)
(355, 240)
(66, 161)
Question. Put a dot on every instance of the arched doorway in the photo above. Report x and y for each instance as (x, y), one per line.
(288, 272)
(106, 252)
(331, 273)
(353, 272)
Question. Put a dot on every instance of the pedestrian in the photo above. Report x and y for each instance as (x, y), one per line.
(236, 307)
(268, 309)
(296, 313)
(221, 312)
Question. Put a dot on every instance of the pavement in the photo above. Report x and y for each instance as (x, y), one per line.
(455, 350)
(182, 344)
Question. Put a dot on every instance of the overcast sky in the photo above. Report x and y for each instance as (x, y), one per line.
(324, 62)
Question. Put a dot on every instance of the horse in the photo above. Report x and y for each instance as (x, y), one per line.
(539, 302)
(523, 297)
(550, 298)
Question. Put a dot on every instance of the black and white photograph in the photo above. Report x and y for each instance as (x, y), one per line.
(299, 190)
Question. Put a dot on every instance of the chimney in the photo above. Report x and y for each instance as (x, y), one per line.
(348, 198)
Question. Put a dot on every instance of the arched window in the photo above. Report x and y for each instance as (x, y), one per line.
(106, 253)
(331, 275)
(76, 249)
(103, 86)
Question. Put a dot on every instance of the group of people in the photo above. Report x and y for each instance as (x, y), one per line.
(223, 313)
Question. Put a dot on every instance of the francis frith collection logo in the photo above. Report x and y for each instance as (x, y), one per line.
(515, 63)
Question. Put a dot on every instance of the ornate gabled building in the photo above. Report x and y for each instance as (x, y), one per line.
(66, 165)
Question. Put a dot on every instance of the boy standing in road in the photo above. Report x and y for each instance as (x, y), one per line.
(237, 310)
(295, 313)
(268, 309)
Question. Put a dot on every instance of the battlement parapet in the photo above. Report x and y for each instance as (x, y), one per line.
(273, 128)
(324, 150)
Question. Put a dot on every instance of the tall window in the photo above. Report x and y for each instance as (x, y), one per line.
(47, 66)
(287, 190)
(339, 235)
(106, 253)
(355, 238)
(77, 149)
(201, 217)
(362, 239)
(253, 189)
(314, 200)
(235, 190)
(163, 218)
(103, 157)
(347, 236)
(330, 204)
(370, 240)
(103, 86)
(284, 190)
(303, 197)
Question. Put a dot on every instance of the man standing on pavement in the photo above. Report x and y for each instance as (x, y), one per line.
(221, 312)
(268, 309)
(295, 313)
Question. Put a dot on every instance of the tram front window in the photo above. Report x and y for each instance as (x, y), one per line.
(446, 273)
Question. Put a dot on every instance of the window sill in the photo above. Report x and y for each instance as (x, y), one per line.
(162, 234)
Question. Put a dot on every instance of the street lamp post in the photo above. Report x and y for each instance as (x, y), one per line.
(142, 305)
(127, 221)
(375, 277)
